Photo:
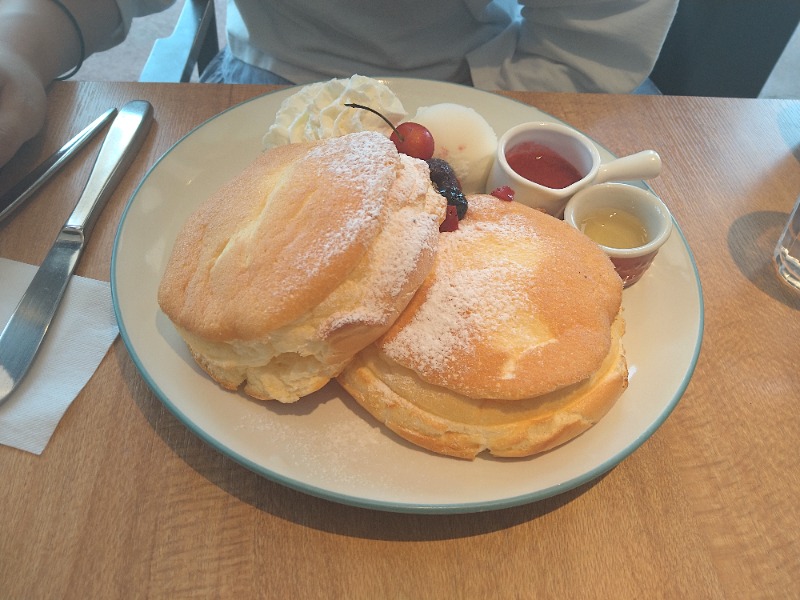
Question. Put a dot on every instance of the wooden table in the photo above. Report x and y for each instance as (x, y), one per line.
(125, 502)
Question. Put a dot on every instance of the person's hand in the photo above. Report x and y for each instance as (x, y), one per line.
(23, 104)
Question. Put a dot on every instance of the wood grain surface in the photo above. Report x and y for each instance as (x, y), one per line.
(125, 502)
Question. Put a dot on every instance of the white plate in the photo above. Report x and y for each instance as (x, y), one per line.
(325, 444)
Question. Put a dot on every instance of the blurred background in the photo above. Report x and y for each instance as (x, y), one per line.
(732, 48)
(125, 62)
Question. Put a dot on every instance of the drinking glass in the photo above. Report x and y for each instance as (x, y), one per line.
(787, 251)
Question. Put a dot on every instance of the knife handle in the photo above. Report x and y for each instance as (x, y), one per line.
(124, 138)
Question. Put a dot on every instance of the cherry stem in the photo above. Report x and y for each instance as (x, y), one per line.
(372, 110)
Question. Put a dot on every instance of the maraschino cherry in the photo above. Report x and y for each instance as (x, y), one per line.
(409, 138)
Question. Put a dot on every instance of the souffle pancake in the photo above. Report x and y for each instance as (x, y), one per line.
(302, 260)
(512, 345)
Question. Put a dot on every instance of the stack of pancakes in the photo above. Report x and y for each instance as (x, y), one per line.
(324, 260)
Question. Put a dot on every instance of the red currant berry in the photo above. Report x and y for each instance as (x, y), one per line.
(450, 222)
(504, 193)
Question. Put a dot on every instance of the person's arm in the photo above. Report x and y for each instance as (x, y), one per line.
(576, 45)
(39, 42)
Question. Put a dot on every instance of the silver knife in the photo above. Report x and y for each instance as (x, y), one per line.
(23, 334)
(28, 185)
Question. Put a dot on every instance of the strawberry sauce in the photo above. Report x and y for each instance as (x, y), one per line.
(538, 163)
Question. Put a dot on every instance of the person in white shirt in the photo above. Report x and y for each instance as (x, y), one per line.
(543, 45)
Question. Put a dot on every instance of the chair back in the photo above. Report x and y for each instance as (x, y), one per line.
(193, 43)
(724, 48)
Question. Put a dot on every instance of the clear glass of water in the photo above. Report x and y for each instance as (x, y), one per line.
(787, 252)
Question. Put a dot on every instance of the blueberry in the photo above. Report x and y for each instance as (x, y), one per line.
(455, 197)
(442, 174)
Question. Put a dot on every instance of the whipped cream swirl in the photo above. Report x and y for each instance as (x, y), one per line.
(317, 111)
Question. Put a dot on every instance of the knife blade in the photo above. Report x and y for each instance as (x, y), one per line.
(22, 336)
(29, 184)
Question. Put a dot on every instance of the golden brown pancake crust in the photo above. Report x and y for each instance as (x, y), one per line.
(301, 261)
(511, 345)
(518, 304)
(449, 423)
(277, 239)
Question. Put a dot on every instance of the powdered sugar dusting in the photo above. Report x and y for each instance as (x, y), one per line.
(408, 235)
(448, 321)
(390, 274)
(413, 228)
(309, 440)
(419, 233)
(466, 301)
(352, 159)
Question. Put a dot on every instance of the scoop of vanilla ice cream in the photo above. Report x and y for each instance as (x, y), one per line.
(463, 138)
(317, 111)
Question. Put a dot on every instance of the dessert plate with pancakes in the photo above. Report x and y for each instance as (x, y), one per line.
(327, 444)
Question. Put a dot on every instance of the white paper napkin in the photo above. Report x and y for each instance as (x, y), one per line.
(78, 338)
